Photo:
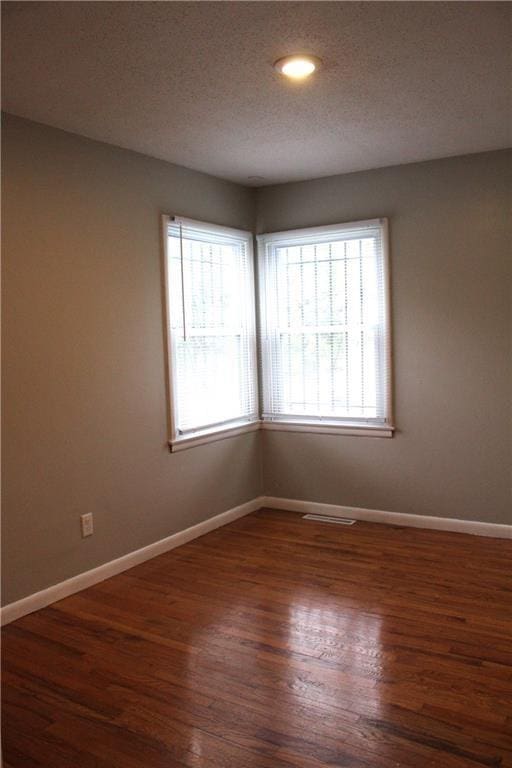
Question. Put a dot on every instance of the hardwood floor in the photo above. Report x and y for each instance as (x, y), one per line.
(269, 643)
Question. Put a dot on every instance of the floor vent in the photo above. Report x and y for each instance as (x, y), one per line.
(328, 519)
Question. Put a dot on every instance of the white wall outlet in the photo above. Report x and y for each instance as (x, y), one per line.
(87, 524)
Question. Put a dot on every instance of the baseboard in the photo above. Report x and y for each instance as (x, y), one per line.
(56, 592)
(391, 518)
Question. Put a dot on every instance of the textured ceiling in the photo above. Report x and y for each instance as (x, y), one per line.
(192, 82)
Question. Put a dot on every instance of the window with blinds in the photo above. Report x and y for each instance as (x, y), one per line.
(325, 326)
(211, 327)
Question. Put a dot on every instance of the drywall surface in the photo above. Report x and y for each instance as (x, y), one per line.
(84, 397)
(451, 269)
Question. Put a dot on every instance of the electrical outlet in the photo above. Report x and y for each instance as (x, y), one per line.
(87, 525)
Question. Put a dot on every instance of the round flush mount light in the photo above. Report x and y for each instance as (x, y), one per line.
(297, 67)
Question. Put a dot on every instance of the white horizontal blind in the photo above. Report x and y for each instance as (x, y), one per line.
(324, 325)
(212, 326)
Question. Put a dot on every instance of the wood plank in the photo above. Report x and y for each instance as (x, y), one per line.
(274, 643)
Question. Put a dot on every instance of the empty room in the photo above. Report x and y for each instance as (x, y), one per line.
(256, 384)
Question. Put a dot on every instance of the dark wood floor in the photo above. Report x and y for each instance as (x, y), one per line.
(269, 643)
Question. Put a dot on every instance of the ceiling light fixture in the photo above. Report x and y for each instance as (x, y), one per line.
(297, 67)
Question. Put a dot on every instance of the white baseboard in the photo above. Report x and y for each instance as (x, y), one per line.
(56, 592)
(391, 518)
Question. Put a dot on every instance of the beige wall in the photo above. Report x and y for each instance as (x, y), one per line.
(84, 404)
(451, 264)
(84, 392)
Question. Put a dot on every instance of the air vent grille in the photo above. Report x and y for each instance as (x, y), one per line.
(329, 519)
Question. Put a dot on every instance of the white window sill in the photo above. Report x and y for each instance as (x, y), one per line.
(356, 430)
(212, 435)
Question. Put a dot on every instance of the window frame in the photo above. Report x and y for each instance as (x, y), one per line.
(192, 437)
(327, 425)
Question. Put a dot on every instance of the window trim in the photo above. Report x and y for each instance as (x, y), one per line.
(330, 428)
(177, 440)
(213, 435)
(334, 426)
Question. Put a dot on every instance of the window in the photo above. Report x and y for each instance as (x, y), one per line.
(211, 329)
(324, 321)
(325, 339)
